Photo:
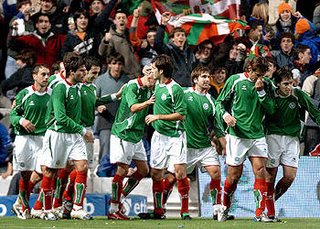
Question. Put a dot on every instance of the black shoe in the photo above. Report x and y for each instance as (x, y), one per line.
(185, 216)
(151, 215)
(229, 217)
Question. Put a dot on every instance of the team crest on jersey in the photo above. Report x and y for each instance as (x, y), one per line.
(22, 164)
(190, 98)
(292, 105)
(71, 97)
(163, 96)
(31, 103)
(85, 93)
(205, 106)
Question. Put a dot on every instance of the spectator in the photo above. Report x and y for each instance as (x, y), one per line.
(46, 44)
(181, 54)
(57, 15)
(285, 56)
(316, 16)
(19, 25)
(117, 41)
(204, 54)
(5, 151)
(217, 81)
(21, 78)
(108, 83)
(272, 67)
(145, 48)
(82, 41)
(302, 60)
(306, 35)
(311, 86)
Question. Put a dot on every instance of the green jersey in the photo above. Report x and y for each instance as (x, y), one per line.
(169, 99)
(30, 105)
(287, 117)
(240, 98)
(89, 102)
(54, 79)
(200, 119)
(64, 111)
(127, 125)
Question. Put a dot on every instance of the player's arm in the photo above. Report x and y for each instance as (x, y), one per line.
(105, 99)
(265, 91)
(16, 114)
(223, 102)
(305, 101)
(58, 101)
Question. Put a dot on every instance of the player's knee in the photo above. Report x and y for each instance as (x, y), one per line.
(289, 179)
(82, 167)
(156, 175)
(144, 171)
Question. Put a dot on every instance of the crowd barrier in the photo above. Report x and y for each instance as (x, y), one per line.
(95, 204)
(301, 200)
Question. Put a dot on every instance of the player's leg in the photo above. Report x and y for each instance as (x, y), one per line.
(289, 174)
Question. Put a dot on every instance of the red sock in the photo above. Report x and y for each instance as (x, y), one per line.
(69, 190)
(167, 189)
(39, 202)
(183, 189)
(157, 189)
(46, 188)
(229, 189)
(24, 193)
(260, 194)
(131, 183)
(80, 186)
(61, 181)
(270, 199)
(116, 188)
(215, 191)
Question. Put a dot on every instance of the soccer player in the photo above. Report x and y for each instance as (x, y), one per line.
(168, 143)
(64, 139)
(126, 137)
(29, 125)
(242, 104)
(201, 110)
(283, 131)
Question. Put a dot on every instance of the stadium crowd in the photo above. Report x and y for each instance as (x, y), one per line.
(79, 70)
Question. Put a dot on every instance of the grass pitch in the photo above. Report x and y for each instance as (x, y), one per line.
(174, 223)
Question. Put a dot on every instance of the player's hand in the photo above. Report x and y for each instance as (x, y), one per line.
(150, 118)
(119, 93)
(165, 18)
(107, 37)
(28, 126)
(230, 120)
(151, 100)
(259, 85)
(88, 137)
(101, 108)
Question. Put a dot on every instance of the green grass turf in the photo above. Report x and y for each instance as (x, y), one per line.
(195, 223)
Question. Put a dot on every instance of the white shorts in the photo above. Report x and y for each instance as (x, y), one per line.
(201, 158)
(122, 151)
(238, 149)
(165, 150)
(283, 150)
(89, 149)
(58, 148)
(27, 149)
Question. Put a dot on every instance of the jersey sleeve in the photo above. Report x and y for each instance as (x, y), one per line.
(131, 95)
(305, 101)
(17, 112)
(180, 105)
(223, 102)
(266, 98)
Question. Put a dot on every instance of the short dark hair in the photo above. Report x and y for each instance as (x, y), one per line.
(37, 68)
(27, 56)
(36, 17)
(80, 12)
(287, 35)
(91, 61)
(163, 62)
(259, 63)
(72, 62)
(254, 24)
(20, 3)
(115, 57)
(281, 74)
(176, 30)
(300, 48)
(197, 71)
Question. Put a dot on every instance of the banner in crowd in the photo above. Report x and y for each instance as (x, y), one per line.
(204, 26)
(301, 200)
(94, 204)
